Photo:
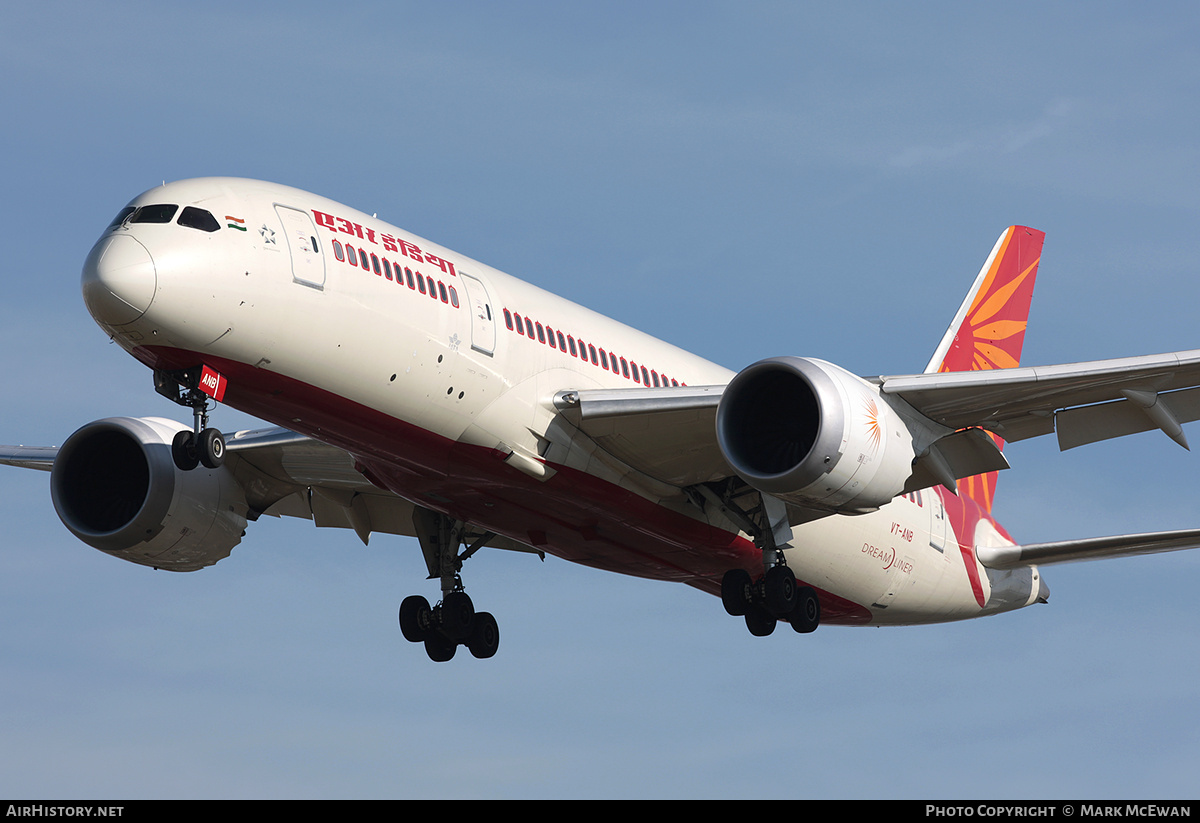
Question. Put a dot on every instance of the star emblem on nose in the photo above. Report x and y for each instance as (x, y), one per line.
(268, 234)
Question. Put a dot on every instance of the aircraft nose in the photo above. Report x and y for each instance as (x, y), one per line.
(119, 280)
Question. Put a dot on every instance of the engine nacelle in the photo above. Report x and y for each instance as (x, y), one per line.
(814, 434)
(116, 487)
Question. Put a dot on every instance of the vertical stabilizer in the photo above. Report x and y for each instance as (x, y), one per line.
(989, 329)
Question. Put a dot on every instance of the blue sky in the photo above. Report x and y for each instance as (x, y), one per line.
(744, 180)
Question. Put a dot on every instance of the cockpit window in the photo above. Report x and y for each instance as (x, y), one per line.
(195, 218)
(120, 218)
(161, 213)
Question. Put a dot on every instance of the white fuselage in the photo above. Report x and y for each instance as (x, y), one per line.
(441, 399)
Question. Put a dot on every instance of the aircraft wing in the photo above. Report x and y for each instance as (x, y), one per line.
(669, 434)
(285, 474)
(1082, 402)
(1068, 551)
(29, 457)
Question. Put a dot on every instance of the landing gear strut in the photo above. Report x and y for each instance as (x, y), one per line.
(453, 622)
(776, 595)
(202, 445)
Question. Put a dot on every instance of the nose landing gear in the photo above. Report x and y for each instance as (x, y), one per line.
(190, 449)
(193, 388)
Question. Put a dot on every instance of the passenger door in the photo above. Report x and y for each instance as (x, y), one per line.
(308, 265)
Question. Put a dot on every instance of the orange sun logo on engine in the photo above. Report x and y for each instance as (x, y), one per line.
(874, 427)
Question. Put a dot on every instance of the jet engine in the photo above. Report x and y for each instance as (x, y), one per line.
(813, 434)
(117, 489)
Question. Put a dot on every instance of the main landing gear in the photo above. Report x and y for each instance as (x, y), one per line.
(449, 624)
(774, 597)
(202, 445)
(453, 622)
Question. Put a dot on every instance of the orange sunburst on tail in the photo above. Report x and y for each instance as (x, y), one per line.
(989, 329)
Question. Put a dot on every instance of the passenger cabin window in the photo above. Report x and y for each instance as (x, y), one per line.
(159, 213)
(526, 326)
(201, 219)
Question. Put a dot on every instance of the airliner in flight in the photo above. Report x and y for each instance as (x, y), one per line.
(417, 392)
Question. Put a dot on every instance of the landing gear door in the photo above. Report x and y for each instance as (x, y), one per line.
(308, 266)
(483, 318)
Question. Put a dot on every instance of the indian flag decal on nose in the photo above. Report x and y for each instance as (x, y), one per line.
(235, 222)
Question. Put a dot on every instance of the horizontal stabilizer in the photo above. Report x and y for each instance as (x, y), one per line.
(1095, 548)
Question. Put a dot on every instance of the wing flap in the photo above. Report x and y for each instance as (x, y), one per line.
(1104, 421)
(1027, 402)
